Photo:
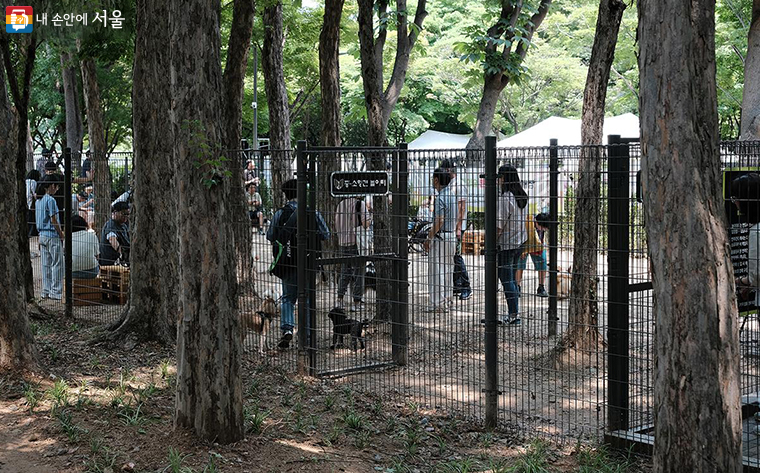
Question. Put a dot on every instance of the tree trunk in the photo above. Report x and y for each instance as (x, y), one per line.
(101, 174)
(234, 80)
(750, 126)
(20, 94)
(583, 335)
(153, 309)
(492, 87)
(209, 390)
(277, 98)
(74, 126)
(696, 384)
(16, 341)
(329, 72)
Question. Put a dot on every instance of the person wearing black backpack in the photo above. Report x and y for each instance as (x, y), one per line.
(282, 234)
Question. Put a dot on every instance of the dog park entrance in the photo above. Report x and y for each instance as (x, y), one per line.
(458, 361)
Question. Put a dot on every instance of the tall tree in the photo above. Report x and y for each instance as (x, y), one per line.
(329, 73)
(209, 391)
(101, 173)
(74, 125)
(750, 125)
(502, 52)
(696, 382)
(152, 310)
(16, 341)
(277, 98)
(379, 102)
(19, 73)
(582, 334)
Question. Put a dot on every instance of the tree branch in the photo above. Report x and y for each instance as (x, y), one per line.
(626, 81)
(535, 21)
(302, 96)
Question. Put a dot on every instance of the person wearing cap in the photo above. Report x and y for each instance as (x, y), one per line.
(461, 278)
(114, 239)
(51, 238)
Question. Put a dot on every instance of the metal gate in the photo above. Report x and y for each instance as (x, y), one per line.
(378, 312)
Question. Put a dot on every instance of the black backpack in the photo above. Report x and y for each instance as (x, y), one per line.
(284, 257)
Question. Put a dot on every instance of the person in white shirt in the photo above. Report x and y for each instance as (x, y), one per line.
(85, 249)
(32, 177)
(352, 218)
(460, 191)
(511, 235)
(441, 244)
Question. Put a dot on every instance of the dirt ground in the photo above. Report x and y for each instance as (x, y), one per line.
(105, 409)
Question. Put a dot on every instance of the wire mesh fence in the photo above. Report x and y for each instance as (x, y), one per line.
(371, 265)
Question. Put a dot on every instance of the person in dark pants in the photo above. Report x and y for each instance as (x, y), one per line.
(461, 278)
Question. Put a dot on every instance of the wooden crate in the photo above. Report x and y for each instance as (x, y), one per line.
(86, 292)
(473, 242)
(115, 284)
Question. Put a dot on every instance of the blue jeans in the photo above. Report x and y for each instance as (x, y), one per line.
(288, 303)
(51, 250)
(507, 262)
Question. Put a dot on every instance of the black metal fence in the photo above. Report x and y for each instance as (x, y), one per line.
(377, 304)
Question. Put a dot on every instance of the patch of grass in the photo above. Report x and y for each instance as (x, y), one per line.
(53, 354)
(353, 420)
(333, 437)
(253, 389)
(141, 396)
(131, 415)
(164, 367)
(117, 398)
(412, 438)
(467, 465)
(440, 442)
(95, 363)
(176, 459)
(329, 402)
(254, 419)
(32, 397)
(59, 394)
(361, 439)
(102, 458)
(601, 460)
(533, 460)
(486, 440)
(41, 329)
(67, 425)
(210, 466)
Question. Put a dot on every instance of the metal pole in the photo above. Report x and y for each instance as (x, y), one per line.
(302, 242)
(400, 327)
(617, 296)
(553, 235)
(311, 269)
(491, 303)
(67, 254)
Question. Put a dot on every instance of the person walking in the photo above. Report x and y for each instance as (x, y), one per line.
(51, 238)
(459, 190)
(441, 243)
(282, 234)
(511, 236)
(536, 229)
(351, 220)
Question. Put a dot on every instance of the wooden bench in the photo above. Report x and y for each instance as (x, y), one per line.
(114, 284)
(86, 292)
(473, 242)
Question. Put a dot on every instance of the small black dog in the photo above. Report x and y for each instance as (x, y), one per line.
(344, 326)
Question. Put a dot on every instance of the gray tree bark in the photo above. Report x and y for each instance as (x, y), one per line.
(101, 174)
(74, 125)
(750, 125)
(696, 380)
(582, 334)
(209, 391)
(380, 103)
(493, 84)
(153, 307)
(17, 351)
(20, 94)
(277, 99)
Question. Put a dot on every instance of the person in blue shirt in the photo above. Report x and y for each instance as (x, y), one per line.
(51, 238)
(282, 234)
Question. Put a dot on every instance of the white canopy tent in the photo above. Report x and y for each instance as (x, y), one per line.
(439, 140)
(567, 131)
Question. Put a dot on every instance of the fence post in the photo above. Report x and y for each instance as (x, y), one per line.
(302, 242)
(400, 325)
(67, 251)
(311, 268)
(491, 303)
(617, 296)
(553, 235)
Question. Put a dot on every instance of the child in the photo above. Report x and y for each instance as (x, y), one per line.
(536, 228)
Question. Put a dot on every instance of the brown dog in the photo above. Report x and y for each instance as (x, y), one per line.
(564, 280)
(259, 322)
